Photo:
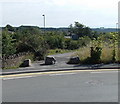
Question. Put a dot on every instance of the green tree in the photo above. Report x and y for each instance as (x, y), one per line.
(8, 45)
(80, 30)
(10, 28)
(71, 44)
(38, 46)
(55, 40)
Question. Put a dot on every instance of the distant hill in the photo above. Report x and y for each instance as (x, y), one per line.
(65, 29)
(94, 29)
(55, 29)
(104, 29)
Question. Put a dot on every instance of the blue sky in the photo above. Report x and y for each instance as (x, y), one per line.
(59, 13)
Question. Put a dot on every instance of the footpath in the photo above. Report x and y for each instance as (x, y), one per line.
(60, 65)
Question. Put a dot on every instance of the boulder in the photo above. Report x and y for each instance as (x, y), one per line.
(26, 63)
(50, 60)
(74, 60)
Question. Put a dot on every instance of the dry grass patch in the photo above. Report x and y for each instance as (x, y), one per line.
(106, 55)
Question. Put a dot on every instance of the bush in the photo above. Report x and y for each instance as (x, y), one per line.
(55, 41)
(95, 56)
(84, 41)
(71, 44)
(35, 44)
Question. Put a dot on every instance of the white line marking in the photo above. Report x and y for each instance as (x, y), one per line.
(95, 72)
(106, 72)
(61, 74)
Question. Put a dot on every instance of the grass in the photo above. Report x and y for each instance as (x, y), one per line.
(106, 55)
(29, 56)
(13, 67)
(83, 53)
(58, 51)
(118, 55)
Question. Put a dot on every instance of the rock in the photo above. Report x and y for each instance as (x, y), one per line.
(50, 60)
(74, 60)
(26, 63)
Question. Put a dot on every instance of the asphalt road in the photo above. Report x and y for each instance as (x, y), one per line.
(71, 86)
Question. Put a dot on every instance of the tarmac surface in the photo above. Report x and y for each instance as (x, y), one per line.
(62, 86)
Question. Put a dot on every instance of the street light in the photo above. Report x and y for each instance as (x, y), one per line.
(44, 21)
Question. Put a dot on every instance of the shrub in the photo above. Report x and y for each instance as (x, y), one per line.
(55, 41)
(84, 41)
(71, 44)
(95, 54)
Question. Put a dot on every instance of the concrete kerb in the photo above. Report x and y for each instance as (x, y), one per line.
(50, 70)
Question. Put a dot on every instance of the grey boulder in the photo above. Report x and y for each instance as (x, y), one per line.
(74, 60)
(26, 63)
(50, 60)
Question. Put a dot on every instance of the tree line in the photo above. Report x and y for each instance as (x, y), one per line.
(33, 39)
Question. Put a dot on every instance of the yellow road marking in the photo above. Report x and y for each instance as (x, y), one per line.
(55, 72)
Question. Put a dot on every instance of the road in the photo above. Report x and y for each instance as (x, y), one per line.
(64, 86)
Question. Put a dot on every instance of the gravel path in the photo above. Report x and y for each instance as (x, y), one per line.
(61, 60)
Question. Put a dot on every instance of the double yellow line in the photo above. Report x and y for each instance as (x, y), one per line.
(55, 72)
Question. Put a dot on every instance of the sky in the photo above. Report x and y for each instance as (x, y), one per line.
(59, 13)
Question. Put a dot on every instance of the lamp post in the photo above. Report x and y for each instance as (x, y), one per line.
(44, 22)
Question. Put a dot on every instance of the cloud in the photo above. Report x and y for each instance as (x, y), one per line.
(68, 10)
(88, 3)
(59, 2)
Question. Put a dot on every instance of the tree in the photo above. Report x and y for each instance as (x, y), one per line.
(38, 45)
(29, 30)
(55, 40)
(80, 30)
(10, 28)
(87, 32)
(8, 45)
(71, 44)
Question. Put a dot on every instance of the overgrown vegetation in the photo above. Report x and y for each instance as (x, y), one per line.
(104, 49)
(32, 39)
(23, 57)
(58, 51)
(93, 47)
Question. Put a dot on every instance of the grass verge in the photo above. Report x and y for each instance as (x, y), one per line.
(106, 55)
(29, 56)
(58, 51)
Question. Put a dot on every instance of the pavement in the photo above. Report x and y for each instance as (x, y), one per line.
(60, 65)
